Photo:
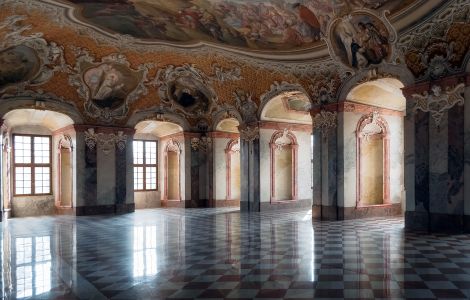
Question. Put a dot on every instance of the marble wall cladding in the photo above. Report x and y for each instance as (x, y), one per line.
(90, 184)
(421, 161)
(347, 158)
(456, 163)
(150, 199)
(316, 169)
(397, 161)
(219, 168)
(438, 165)
(409, 158)
(250, 181)
(121, 175)
(245, 180)
(194, 176)
(33, 206)
(106, 177)
(332, 167)
(265, 164)
(467, 153)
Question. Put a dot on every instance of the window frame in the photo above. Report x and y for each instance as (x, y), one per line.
(32, 165)
(144, 166)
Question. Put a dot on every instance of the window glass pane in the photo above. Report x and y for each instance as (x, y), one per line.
(22, 148)
(138, 178)
(151, 178)
(41, 150)
(151, 153)
(42, 183)
(23, 180)
(138, 148)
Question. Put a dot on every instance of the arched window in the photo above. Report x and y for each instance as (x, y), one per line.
(284, 150)
(172, 158)
(232, 158)
(373, 169)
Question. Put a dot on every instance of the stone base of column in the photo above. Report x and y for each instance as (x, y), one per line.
(333, 213)
(104, 209)
(432, 222)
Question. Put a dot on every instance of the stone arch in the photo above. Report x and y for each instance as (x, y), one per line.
(55, 105)
(156, 115)
(388, 70)
(225, 114)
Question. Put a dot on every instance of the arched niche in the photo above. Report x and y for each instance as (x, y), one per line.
(283, 148)
(48, 124)
(65, 171)
(232, 161)
(172, 160)
(373, 161)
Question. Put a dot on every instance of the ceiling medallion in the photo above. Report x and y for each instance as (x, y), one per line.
(362, 39)
(107, 86)
(26, 60)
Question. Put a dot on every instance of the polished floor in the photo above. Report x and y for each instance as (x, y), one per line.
(220, 253)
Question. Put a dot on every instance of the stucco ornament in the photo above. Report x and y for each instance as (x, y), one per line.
(373, 126)
(107, 86)
(249, 133)
(203, 143)
(65, 141)
(108, 142)
(283, 141)
(246, 106)
(325, 121)
(173, 146)
(280, 88)
(438, 102)
(27, 60)
(223, 74)
(186, 89)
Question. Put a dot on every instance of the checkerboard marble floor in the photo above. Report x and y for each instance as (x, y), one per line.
(223, 254)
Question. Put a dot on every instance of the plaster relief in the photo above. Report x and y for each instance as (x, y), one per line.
(108, 142)
(438, 102)
(325, 121)
(107, 86)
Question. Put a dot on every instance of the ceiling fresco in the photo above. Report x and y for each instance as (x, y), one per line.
(255, 25)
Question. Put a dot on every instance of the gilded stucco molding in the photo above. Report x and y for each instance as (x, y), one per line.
(439, 102)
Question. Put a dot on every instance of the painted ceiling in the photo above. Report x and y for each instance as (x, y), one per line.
(254, 25)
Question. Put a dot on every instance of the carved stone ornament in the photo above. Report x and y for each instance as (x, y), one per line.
(249, 133)
(362, 39)
(325, 121)
(65, 141)
(107, 86)
(246, 106)
(173, 146)
(108, 142)
(438, 102)
(27, 60)
(187, 90)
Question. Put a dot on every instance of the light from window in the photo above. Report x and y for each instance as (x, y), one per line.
(145, 165)
(32, 164)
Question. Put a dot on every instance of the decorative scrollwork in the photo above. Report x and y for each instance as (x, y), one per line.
(438, 102)
(108, 142)
(249, 133)
(325, 121)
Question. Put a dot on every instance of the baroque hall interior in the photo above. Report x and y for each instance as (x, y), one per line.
(232, 149)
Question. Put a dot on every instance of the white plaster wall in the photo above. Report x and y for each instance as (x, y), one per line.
(395, 123)
(304, 169)
(220, 168)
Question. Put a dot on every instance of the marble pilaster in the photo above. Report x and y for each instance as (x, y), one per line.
(250, 181)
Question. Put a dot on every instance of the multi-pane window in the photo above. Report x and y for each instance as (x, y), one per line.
(145, 165)
(32, 164)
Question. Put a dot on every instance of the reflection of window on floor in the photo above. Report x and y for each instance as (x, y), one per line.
(145, 251)
(33, 266)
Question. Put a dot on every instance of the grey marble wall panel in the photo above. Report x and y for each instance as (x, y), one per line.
(438, 165)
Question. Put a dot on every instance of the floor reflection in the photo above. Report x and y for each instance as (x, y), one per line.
(220, 253)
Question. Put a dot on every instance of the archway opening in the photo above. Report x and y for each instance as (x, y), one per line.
(286, 151)
(227, 164)
(375, 124)
(157, 163)
(38, 173)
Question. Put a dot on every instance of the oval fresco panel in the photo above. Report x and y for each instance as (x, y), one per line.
(18, 64)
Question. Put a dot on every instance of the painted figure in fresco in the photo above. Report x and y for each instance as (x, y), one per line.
(373, 44)
(17, 64)
(107, 86)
